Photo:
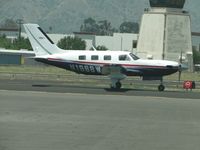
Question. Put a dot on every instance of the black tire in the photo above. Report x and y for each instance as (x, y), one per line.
(118, 85)
(161, 88)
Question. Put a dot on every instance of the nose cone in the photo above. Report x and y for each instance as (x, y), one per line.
(160, 67)
(172, 64)
(183, 67)
(171, 67)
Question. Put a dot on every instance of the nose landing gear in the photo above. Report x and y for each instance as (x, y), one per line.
(161, 87)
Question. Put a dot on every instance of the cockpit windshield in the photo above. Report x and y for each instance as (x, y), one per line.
(134, 56)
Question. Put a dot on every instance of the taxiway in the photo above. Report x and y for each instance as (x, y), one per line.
(62, 87)
(51, 115)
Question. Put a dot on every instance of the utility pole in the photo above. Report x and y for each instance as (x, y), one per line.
(19, 22)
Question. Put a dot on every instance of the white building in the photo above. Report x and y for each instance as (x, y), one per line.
(119, 41)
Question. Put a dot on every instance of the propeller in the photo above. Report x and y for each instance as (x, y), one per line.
(180, 67)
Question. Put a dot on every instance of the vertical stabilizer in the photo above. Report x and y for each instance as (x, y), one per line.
(41, 43)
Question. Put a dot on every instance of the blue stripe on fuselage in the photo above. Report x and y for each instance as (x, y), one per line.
(95, 68)
(87, 69)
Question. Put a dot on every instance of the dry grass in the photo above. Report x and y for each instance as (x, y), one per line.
(57, 71)
(33, 69)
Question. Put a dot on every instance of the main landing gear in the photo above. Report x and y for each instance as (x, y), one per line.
(115, 81)
(116, 84)
(161, 87)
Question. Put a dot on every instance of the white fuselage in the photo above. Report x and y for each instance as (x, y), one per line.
(92, 62)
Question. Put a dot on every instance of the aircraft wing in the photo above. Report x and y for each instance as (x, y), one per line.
(114, 70)
(31, 57)
(134, 72)
(36, 57)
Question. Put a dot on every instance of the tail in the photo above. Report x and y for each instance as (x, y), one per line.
(40, 42)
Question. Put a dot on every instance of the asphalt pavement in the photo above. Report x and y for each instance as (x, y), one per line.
(73, 87)
(42, 120)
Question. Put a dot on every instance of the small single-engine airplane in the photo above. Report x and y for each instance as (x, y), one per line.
(116, 64)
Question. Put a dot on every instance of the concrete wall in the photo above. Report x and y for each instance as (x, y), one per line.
(178, 36)
(165, 34)
(150, 41)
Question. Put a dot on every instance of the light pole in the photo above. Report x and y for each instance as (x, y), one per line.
(19, 22)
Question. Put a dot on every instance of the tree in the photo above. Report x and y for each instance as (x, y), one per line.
(89, 25)
(22, 43)
(105, 27)
(4, 42)
(102, 27)
(16, 44)
(72, 43)
(101, 48)
(129, 27)
(196, 57)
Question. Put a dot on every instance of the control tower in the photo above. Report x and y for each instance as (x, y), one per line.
(165, 32)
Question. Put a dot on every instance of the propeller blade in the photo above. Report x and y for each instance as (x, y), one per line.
(179, 73)
(179, 76)
(181, 58)
(182, 67)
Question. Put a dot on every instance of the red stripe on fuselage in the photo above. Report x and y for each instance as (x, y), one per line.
(123, 65)
(102, 64)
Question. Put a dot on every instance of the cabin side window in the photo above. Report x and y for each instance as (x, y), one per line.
(94, 57)
(82, 57)
(107, 57)
(124, 58)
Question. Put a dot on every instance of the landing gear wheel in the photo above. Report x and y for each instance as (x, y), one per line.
(161, 88)
(118, 85)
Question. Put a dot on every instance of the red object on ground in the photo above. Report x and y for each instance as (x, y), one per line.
(188, 85)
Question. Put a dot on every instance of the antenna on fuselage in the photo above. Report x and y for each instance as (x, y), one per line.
(94, 48)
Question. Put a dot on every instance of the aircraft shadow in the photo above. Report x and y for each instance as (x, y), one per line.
(122, 90)
(117, 90)
(41, 85)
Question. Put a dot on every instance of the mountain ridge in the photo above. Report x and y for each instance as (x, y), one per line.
(66, 16)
